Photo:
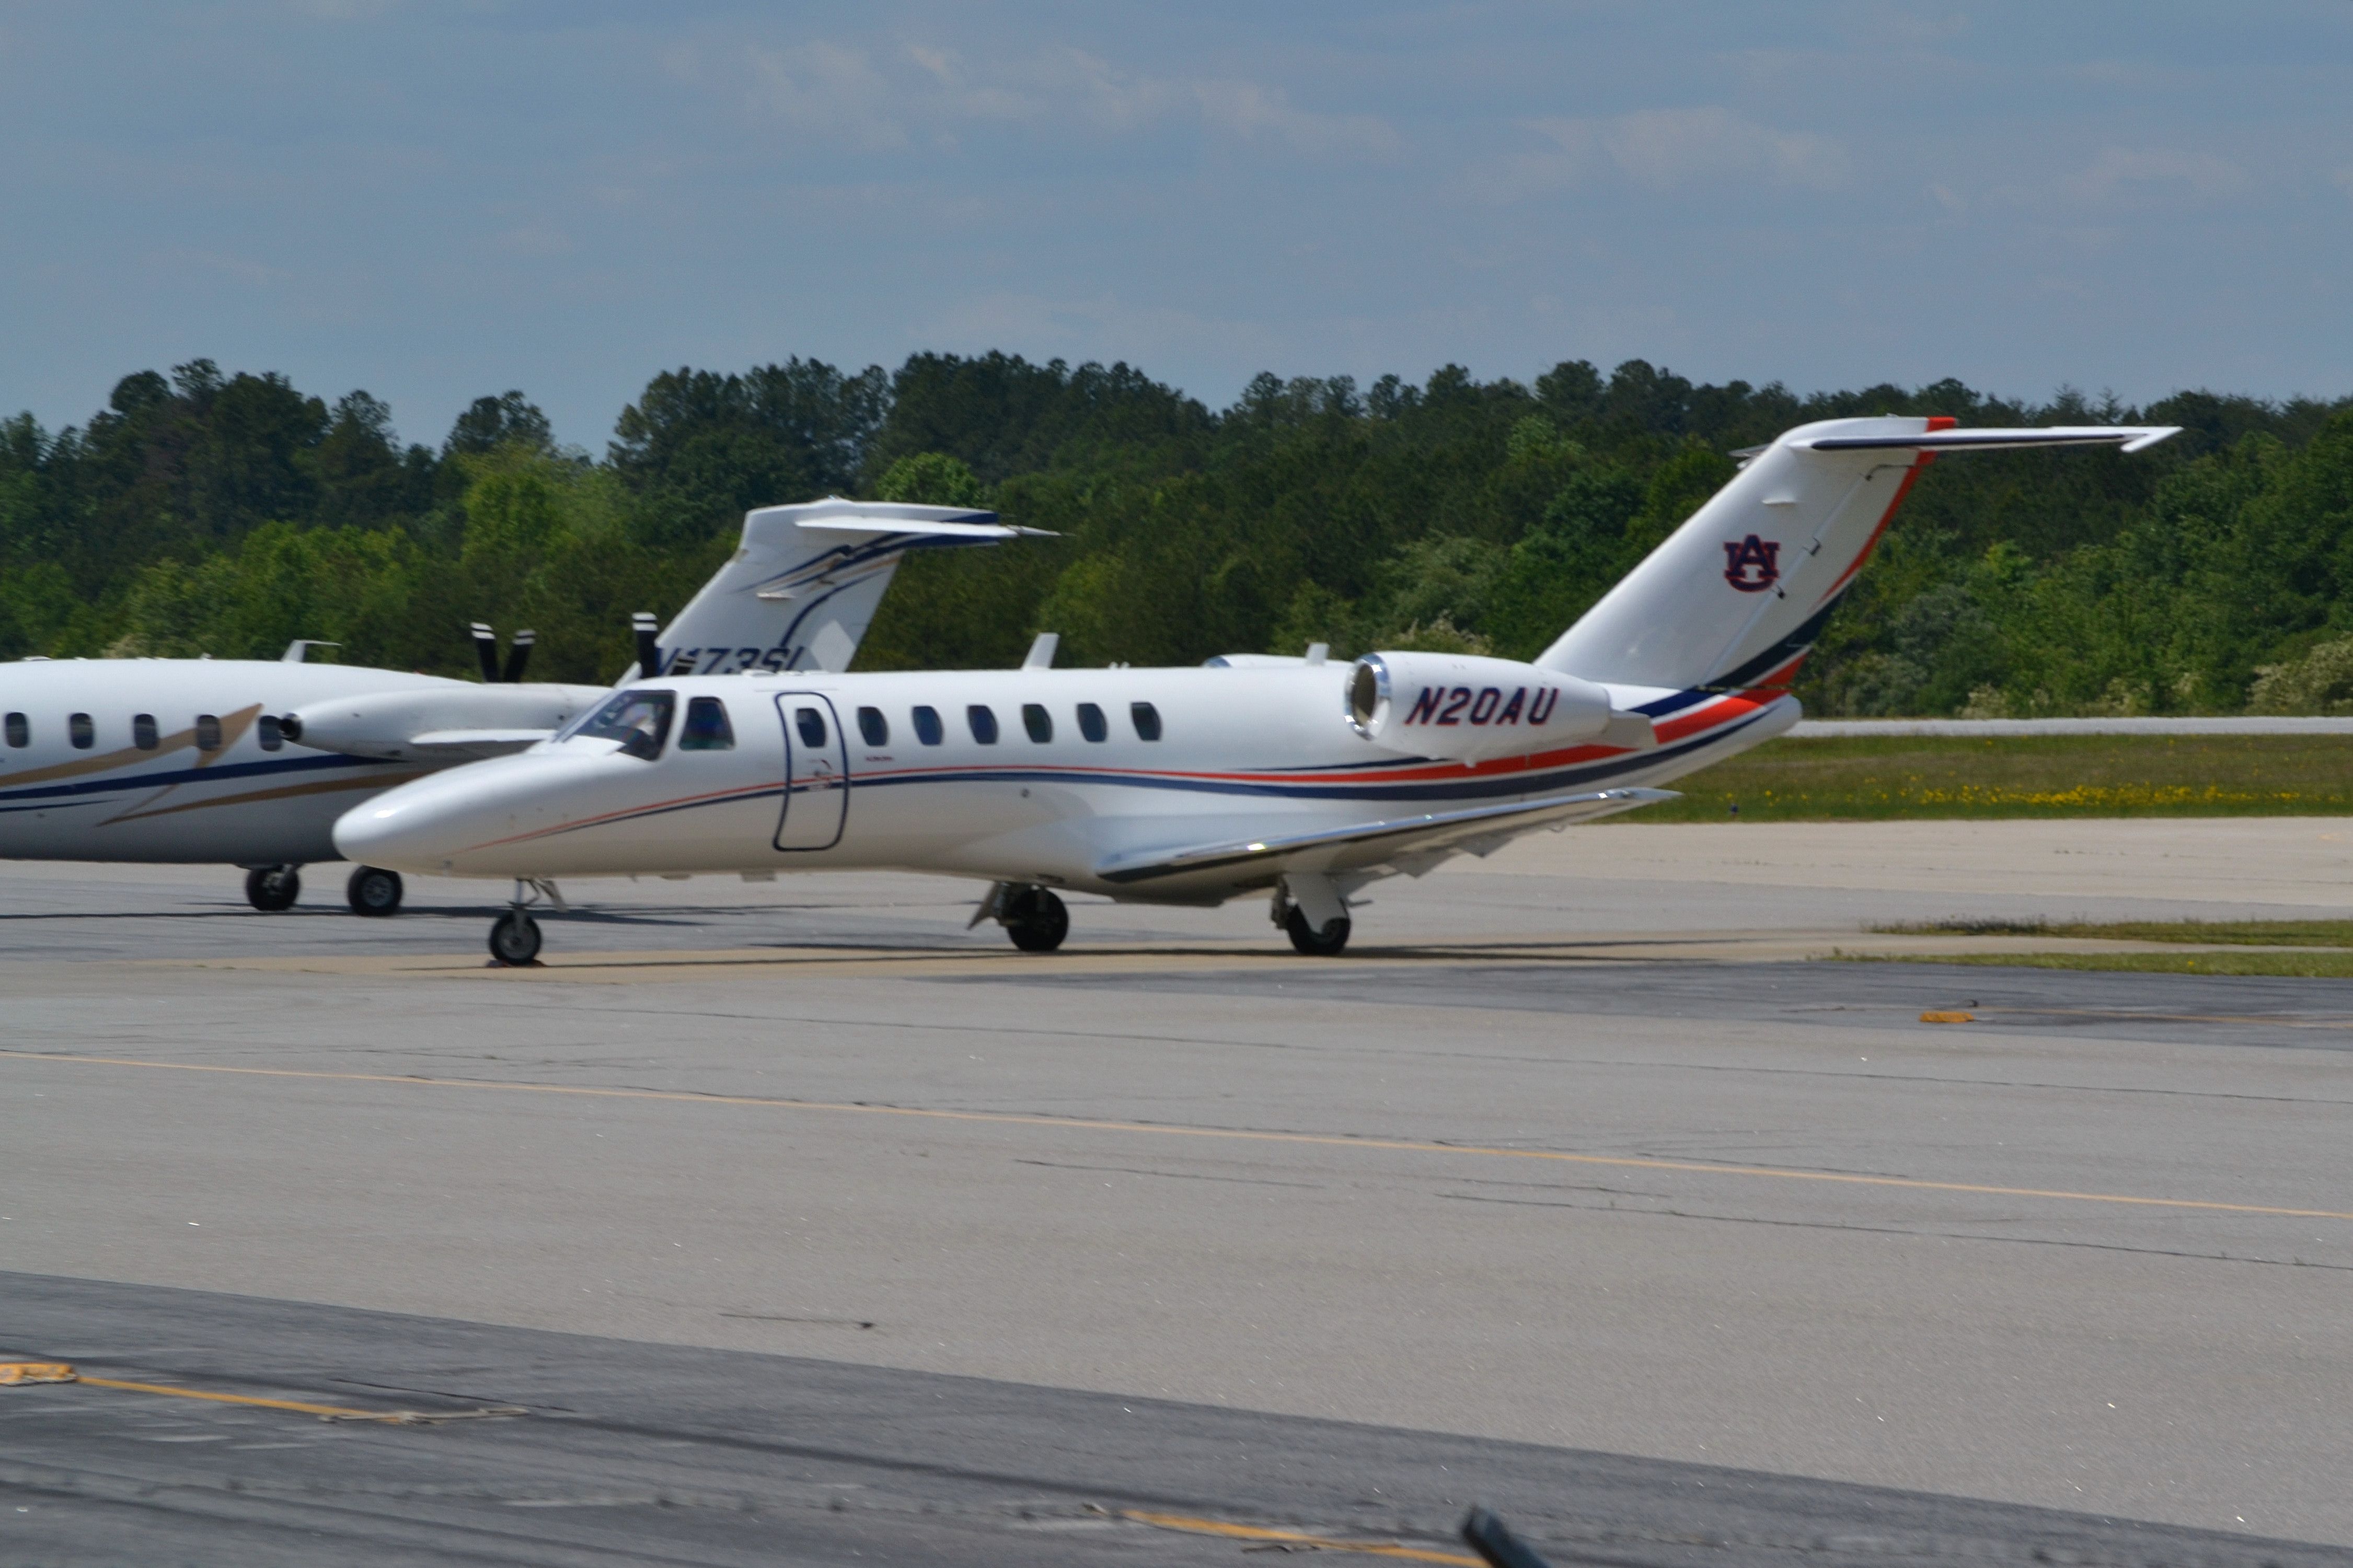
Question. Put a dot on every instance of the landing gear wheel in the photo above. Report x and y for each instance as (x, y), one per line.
(274, 887)
(1036, 920)
(373, 890)
(1308, 940)
(514, 939)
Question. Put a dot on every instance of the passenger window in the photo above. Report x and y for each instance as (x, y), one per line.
(143, 732)
(706, 727)
(639, 720)
(983, 722)
(1147, 720)
(1038, 722)
(928, 729)
(208, 735)
(20, 734)
(266, 730)
(875, 727)
(80, 731)
(812, 724)
(1090, 723)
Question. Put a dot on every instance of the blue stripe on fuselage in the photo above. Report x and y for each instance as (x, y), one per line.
(40, 794)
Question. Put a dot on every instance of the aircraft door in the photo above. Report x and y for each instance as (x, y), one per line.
(817, 773)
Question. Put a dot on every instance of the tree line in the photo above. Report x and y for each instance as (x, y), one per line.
(207, 513)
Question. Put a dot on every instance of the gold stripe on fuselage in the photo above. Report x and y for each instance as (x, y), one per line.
(283, 792)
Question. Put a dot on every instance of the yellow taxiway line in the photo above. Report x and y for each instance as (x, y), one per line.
(1192, 1526)
(1177, 1129)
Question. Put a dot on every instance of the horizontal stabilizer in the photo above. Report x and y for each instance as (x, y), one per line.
(1368, 843)
(2124, 438)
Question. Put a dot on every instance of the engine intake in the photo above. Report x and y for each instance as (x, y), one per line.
(1469, 709)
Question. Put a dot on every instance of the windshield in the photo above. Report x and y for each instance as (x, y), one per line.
(639, 720)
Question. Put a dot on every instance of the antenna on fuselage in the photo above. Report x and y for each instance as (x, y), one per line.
(647, 630)
(485, 649)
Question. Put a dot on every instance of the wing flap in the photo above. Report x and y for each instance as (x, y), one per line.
(1418, 834)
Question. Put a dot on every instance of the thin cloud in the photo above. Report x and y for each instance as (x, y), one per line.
(1666, 150)
(2120, 173)
(831, 90)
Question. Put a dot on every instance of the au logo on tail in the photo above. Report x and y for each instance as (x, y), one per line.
(1752, 565)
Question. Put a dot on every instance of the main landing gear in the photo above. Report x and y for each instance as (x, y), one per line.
(273, 888)
(1311, 912)
(374, 891)
(514, 935)
(1034, 917)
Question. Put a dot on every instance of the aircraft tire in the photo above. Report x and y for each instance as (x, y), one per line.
(1037, 921)
(1315, 944)
(374, 891)
(272, 888)
(514, 939)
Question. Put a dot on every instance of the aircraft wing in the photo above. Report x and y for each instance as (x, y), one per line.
(472, 745)
(1371, 843)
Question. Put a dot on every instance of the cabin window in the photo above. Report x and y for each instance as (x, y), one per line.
(20, 734)
(208, 735)
(266, 730)
(928, 729)
(706, 727)
(80, 731)
(1090, 723)
(811, 725)
(1038, 722)
(875, 727)
(143, 732)
(1146, 719)
(639, 720)
(983, 722)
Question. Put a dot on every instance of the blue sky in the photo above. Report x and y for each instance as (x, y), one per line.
(434, 201)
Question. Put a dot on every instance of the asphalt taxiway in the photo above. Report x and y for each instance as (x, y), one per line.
(874, 1236)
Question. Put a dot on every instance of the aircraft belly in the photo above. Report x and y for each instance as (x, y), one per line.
(204, 827)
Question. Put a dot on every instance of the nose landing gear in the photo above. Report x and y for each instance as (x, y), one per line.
(273, 888)
(514, 935)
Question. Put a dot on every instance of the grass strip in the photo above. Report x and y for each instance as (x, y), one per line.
(2319, 963)
(1873, 778)
(2200, 933)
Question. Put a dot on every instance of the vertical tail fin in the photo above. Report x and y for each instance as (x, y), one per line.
(802, 590)
(1736, 597)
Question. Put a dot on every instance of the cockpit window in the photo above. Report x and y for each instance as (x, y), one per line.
(639, 720)
(706, 727)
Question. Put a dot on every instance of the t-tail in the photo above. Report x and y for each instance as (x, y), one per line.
(1735, 599)
(802, 589)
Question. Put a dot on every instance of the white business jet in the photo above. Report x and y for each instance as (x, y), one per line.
(1304, 779)
(189, 760)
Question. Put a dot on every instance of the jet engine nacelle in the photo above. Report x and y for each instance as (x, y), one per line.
(439, 723)
(1469, 709)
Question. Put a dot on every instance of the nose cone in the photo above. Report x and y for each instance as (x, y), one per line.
(421, 826)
